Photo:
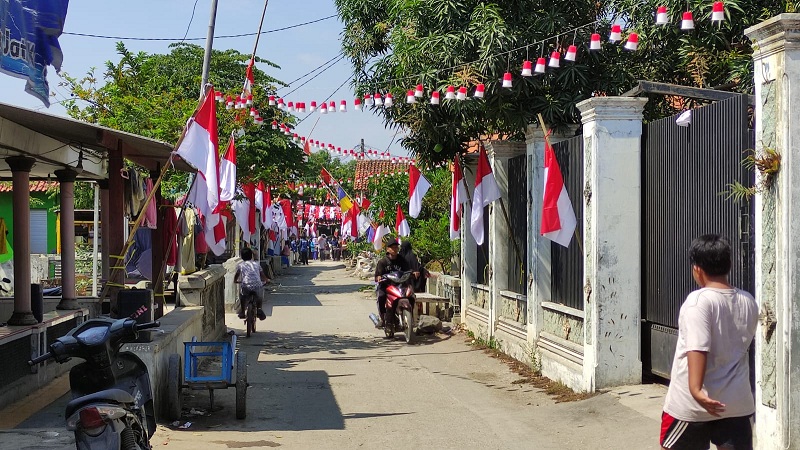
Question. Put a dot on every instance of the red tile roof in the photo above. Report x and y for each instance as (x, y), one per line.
(35, 186)
(365, 168)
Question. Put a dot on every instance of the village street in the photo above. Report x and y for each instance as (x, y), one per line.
(321, 376)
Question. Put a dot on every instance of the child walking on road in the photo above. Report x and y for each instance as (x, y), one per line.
(709, 398)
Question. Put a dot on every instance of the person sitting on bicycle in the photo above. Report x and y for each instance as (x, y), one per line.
(252, 279)
(392, 262)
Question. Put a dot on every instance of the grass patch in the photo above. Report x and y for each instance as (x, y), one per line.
(558, 391)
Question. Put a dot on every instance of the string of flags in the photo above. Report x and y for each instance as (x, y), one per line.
(529, 68)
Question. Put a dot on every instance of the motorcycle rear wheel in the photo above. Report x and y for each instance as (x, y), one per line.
(409, 322)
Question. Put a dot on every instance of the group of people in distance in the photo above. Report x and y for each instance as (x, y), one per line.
(300, 250)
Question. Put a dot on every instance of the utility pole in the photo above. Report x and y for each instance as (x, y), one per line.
(209, 46)
(362, 147)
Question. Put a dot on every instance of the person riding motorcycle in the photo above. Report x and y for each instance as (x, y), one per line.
(392, 262)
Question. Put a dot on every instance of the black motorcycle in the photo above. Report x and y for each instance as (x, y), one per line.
(112, 402)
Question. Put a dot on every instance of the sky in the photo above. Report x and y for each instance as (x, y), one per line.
(297, 51)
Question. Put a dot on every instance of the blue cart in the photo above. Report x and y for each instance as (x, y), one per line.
(189, 374)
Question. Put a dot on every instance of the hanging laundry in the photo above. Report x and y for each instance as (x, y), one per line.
(187, 227)
(170, 233)
(140, 255)
(150, 213)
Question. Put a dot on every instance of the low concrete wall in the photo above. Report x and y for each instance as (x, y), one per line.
(231, 288)
(25, 343)
(177, 327)
(206, 288)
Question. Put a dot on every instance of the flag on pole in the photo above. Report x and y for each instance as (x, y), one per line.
(380, 232)
(401, 224)
(486, 191)
(227, 173)
(199, 148)
(344, 200)
(457, 197)
(249, 190)
(558, 217)
(249, 80)
(325, 176)
(418, 185)
(264, 204)
(241, 210)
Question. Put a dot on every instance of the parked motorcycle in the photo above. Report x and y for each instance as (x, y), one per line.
(399, 304)
(112, 401)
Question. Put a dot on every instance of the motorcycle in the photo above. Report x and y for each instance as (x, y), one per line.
(112, 401)
(399, 304)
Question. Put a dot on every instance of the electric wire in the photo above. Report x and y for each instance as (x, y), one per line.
(191, 19)
(224, 36)
(289, 84)
(315, 76)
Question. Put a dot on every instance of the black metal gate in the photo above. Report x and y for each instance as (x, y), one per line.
(518, 216)
(686, 175)
(566, 283)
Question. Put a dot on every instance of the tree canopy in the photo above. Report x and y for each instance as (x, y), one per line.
(395, 44)
(154, 94)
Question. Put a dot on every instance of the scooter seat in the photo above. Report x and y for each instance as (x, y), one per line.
(106, 396)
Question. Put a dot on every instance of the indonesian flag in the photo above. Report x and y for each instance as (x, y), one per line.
(264, 204)
(227, 173)
(380, 232)
(325, 176)
(354, 215)
(558, 217)
(486, 191)
(241, 210)
(200, 148)
(418, 185)
(307, 149)
(249, 80)
(401, 224)
(250, 192)
(457, 197)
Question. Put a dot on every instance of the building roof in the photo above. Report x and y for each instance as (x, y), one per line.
(36, 186)
(56, 143)
(367, 167)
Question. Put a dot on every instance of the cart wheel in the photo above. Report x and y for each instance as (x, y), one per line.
(174, 386)
(241, 385)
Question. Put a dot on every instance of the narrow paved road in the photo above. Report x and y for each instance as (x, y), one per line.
(322, 377)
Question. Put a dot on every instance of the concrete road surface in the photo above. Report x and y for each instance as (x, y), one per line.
(322, 377)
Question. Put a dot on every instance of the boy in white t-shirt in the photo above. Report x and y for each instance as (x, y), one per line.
(709, 398)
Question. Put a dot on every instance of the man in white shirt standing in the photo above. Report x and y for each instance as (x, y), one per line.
(709, 398)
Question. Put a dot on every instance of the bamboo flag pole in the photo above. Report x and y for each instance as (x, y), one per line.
(578, 238)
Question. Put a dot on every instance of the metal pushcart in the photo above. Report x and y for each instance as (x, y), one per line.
(198, 373)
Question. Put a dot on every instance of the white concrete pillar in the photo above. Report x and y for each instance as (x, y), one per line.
(776, 44)
(612, 130)
(539, 264)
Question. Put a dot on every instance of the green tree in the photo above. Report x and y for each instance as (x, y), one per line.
(430, 235)
(154, 94)
(395, 44)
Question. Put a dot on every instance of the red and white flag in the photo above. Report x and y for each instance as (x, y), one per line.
(264, 204)
(249, 80)
(457, 197)
(401, 224)
(241, 210)
(418, 185)
(558, 217)
(380, 232)
(250, 192)
(200, 148)
(486, 191)
(227, 173)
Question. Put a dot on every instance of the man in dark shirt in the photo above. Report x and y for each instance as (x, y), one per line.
(392, 262)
